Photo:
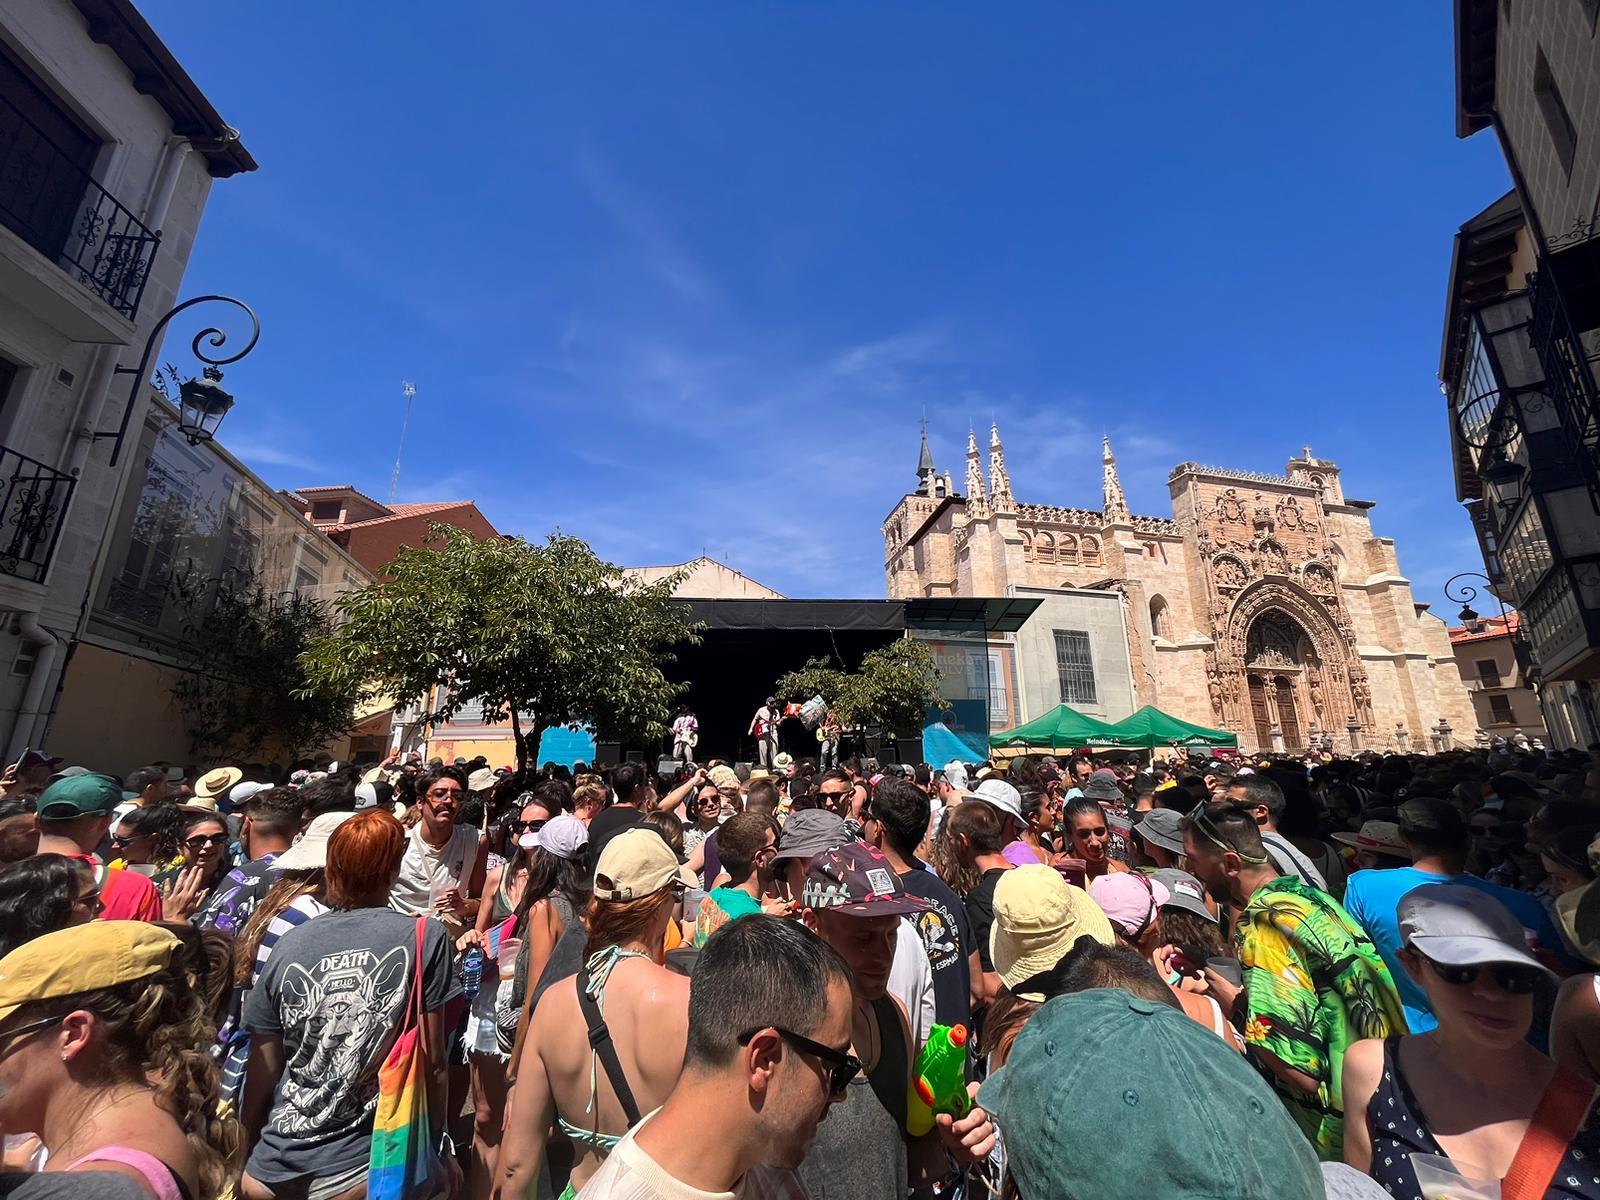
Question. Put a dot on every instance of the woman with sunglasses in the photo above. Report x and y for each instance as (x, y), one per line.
(42, 894)
(707, 815)
(1472, 1089)
(186, 887)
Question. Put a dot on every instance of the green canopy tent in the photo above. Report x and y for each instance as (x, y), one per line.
(1150, 728)
(1059, 732)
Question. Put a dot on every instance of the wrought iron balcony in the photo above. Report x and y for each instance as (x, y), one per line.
(1569, 366)
(54, 205)
(33, 505)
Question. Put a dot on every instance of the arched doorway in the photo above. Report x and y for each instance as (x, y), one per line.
(1280, 660)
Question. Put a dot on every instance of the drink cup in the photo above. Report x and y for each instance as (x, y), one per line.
(507, 957)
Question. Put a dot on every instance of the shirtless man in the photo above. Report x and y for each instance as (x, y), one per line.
(637, 885)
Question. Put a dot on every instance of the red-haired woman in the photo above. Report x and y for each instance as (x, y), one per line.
(325, 1013)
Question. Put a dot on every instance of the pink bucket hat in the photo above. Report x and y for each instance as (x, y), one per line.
(1130, 900)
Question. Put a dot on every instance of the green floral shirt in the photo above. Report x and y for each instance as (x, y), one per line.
(1314, 983)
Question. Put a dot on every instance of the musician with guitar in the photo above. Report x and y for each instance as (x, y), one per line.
(685, 735)
(828, 736)
(764, 728)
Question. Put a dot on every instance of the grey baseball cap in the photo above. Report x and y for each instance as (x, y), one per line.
(1161, 827)
(1460, 926)
(809, 832)
(1184, 891)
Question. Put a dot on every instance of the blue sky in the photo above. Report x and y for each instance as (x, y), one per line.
(684, 277)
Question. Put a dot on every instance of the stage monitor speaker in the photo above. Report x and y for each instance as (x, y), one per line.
(743, 768)
(909, 751)
(666, 767)
(607, 754)
(636, 756)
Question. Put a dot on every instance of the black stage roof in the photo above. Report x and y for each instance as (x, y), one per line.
(999, 615)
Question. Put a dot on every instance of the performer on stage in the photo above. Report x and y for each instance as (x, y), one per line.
(685, 735)
(764, 728)
(828, 735)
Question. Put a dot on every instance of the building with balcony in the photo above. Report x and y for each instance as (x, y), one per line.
(1502, 698)
(1522, 335)
(107, 154)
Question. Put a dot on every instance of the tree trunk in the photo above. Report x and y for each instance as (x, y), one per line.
(520, 740)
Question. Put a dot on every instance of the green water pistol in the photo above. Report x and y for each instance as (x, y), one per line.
(940, 1083)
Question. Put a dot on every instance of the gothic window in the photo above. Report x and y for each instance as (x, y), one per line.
(1091, 551)
(1069, 549)
(1160, 618)
(1045, 551)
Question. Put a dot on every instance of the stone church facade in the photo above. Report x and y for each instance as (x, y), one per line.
(1265, 605)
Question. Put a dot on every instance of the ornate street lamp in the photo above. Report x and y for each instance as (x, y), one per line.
(202, 402)
(1505, 477)
(1467, 593)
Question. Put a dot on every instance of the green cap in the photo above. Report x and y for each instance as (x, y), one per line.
(1105, 1068)
(79, 796)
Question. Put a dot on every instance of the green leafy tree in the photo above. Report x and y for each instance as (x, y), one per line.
(243, 691)
(895, 687)
(543, 634)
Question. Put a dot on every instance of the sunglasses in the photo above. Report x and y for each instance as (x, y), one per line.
(12, 1036)
(843, 1067)
(201, 841)
(524, 826)
(1511, 978)
(1200, 821)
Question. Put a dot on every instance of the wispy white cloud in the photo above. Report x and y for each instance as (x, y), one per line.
(257, 450)
(663, 253)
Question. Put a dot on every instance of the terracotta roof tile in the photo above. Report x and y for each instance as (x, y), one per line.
(1493, 627)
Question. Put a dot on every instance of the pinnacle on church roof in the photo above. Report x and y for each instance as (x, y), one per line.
(1115, 501)
(1105, 452)
(925, 460)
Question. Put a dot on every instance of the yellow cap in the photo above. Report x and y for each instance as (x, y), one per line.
(82, 958)
(638, 862)
(1038, 916)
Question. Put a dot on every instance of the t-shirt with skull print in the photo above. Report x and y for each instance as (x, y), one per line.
(335, 991)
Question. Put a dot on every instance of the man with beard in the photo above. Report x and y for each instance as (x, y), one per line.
(768, 1054)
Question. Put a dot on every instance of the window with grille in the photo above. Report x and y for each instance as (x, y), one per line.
(1075, 667)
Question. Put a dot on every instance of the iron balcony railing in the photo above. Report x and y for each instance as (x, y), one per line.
(1568, 366)
(33, 507)
(54, 205)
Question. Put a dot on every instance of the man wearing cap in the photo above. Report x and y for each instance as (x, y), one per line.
(1006, 802)
(1313, 981)
(74, 814)
(1436, 838)
(854, 901)
(638, 1026)
(29, 775)
(808, 833)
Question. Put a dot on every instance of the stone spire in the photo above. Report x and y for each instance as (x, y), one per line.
(925, 471)
(999, 481)
(977, 496)
(1116, 504)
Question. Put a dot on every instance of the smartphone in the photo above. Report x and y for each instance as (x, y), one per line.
(1190, 959)
(1074, 872)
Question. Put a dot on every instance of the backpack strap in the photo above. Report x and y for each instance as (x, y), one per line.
(1555, 1123)
(600, 1041)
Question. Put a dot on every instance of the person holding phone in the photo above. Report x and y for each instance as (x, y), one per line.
(443, 870)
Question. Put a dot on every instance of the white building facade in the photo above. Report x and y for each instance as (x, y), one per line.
(107, 155)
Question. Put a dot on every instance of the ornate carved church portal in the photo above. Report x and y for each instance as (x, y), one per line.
(1266, 604)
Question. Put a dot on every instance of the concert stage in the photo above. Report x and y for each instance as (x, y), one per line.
(747, 644)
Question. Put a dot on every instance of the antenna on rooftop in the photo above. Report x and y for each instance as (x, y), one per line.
(409, 390)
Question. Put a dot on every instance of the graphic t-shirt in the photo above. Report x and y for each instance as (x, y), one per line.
(720, 906)
(980, 912)
(948, 938)
(242, 889)
(335, 991)
(1314, 983)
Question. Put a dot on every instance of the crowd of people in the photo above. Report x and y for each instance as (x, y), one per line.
(1281, 977)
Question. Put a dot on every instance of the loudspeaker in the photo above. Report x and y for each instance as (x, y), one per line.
(908, 750)
(743, 768)
(636, 756)
(666, 767)
(607, 754)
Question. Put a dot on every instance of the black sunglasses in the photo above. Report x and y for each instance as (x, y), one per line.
(843, 1067)
(1511, 978)
(199, 841)
(524, 826)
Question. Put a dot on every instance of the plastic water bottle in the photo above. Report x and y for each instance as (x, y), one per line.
(472, 972)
